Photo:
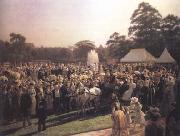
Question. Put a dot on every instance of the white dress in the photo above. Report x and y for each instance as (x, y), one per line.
(127, 95)
(49, 99)
(32, 93)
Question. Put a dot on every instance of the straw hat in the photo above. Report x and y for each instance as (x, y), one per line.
(32, 82)
(3, 78)
(137, 72)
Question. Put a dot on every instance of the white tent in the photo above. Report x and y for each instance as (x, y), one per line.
(165, 57)
(138, 55)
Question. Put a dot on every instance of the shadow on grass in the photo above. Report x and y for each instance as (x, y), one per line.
(30, 134)
(72, 116)
(62, 119)
(9, 131)
(59, 120)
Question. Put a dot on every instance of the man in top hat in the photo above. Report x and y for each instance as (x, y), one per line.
(25, 104)
(41, 113)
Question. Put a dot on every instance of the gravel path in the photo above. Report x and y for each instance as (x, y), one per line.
(138, 131)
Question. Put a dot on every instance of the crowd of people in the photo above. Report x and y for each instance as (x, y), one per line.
(41, 89)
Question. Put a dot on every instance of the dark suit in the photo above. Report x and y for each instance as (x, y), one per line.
(42, 114)
(154, 129)
(25, 104)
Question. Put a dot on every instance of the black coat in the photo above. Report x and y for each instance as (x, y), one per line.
(122, 89)
(42, 109)
(25, 103)
(63, 91)
(154, 129)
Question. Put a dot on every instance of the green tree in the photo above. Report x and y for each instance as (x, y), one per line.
(57, 54)
(102, 53)
(171, 35)
(118, 45)
(82, 48)
(145, 28)
(17, 39)
(3, 50)
(18, 50)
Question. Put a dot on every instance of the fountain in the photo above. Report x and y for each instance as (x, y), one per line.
(93, 60)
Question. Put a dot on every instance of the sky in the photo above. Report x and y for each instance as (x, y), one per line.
(57, 23)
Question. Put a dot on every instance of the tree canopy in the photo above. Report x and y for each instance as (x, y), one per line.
(118, 45)
(82, 48)
(171, 35)
(16, 49)
(145, 28)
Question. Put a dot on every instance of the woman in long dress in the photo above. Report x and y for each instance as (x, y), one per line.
(49, 98)
(120, 126)
(32, 93)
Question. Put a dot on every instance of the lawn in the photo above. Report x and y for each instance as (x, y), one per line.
(60, 125)
(81, 125)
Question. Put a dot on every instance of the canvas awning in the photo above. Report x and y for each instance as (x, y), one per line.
(165, 57)
(138, 55)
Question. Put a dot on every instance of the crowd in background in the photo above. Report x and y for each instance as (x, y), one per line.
(24, 88)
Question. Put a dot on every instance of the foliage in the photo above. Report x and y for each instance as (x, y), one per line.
(102, 53)
(148, 30)
(17, 39)
(145, 28)
(53, 54)
(82, 48)
(171, 35)
(17, 50)
(118, 45)
(2, 51)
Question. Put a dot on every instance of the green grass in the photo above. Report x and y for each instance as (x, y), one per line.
(80, 126)
(56, 126)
